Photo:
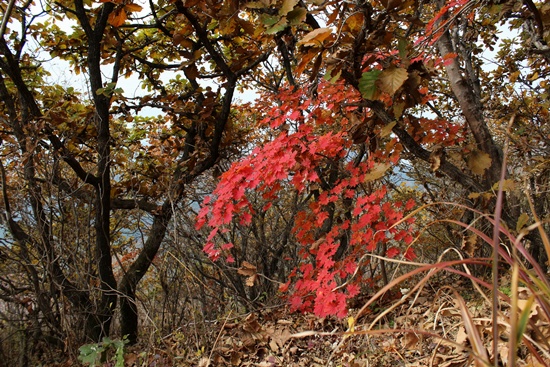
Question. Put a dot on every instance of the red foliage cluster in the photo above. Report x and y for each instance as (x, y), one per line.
(311, 133)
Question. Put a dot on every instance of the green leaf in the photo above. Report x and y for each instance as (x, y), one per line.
(269, 20)
(524, 319)
(367, 84)
(212, 25)
(332, 78)
(91, 353)
(281, 25)
(392, 79)
(402, 47)
(296, 16)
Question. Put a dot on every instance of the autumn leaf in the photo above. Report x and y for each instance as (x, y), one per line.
(306, 59)
(355, 22)
(248, 270)
(478, 162)
(378, 171)
(522, 221)
(392, 252)
(287, 6)
(436, 157)
(470, 244)
(398, 109)
(117, 17)
(316, 37)
(507, 185)
(391, 79)
(449, 58)
(132, 8)
(387, 129)
(410, 254)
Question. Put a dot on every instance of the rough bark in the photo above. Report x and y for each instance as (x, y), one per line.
(127, 288)
(472, 111)
(30, 112)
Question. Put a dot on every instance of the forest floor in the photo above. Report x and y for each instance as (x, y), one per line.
(425, 329)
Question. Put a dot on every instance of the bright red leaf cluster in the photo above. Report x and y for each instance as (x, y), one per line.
(312, 133)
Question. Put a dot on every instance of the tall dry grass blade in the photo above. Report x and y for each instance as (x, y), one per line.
(524, 319)
(473, 335)
(496, 239)
(447, 265)
(513, 342)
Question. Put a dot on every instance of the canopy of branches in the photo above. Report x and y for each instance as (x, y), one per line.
(129, 161)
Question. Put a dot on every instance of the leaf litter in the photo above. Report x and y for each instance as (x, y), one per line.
(425, 330)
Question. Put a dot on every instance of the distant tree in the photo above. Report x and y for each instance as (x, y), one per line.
(83, 171)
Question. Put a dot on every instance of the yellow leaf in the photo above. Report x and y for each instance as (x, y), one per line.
(522, 221)
(351, 324)
(474, 195)
(355, 22)
(378, 171)
(534, 76)
(316, 37)
(391, 79)
(398, 109)
(287, 6)
(478, 162)
(386, 130)
(507, 185)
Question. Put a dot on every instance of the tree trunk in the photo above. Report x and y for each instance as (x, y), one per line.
(128, 284)
(472, 111)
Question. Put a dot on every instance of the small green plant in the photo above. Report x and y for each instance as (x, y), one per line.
(95, 354)
(506, 290)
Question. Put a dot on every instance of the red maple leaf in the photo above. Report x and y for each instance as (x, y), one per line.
(392, 252)
(353, 290)
(409, 254)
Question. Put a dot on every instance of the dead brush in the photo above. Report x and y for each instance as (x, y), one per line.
(520, 319)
